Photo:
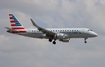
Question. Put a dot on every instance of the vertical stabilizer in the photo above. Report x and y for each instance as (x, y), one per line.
(15, 24)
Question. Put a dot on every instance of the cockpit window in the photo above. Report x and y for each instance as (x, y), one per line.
(89, 30)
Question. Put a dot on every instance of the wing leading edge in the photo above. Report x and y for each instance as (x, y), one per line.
(45, 31)
(51, 35)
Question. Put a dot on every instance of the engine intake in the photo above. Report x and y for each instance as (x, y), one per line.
(60, 36)
(64, 40)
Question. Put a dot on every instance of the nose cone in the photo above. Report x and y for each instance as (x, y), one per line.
(94, 34)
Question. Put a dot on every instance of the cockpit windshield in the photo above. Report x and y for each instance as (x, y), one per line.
(90, 30)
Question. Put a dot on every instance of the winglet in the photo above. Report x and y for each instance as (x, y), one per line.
(34, 23)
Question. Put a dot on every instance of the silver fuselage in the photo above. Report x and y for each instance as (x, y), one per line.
(70, 32)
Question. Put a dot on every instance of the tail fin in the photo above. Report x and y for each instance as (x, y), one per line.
(15, 24)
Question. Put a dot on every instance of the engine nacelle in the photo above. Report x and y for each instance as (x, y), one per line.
(64, 40)
(60, 36)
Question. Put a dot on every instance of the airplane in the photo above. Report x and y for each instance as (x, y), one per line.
(52, 34)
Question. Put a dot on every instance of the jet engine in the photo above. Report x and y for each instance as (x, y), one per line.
(60, 36)
(64, 40)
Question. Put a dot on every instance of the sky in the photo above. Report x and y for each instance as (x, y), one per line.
(20, 51)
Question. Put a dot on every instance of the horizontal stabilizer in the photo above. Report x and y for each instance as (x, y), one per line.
(8, 28)
(11, 30)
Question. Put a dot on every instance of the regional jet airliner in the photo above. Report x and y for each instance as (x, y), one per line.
(52, 34)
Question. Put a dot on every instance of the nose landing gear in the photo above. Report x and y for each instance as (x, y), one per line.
(50, 40)
(85, 40)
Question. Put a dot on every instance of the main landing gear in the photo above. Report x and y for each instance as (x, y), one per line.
(54, 42)
(50, 40)
(85, 40)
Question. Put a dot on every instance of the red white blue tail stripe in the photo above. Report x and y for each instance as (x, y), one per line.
(15, 24)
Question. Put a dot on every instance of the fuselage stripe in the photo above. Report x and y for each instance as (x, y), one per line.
(13, 24)
(18, 28)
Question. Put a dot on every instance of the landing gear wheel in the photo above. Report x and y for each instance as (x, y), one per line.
(50, 40)
(54, 42)
(85, 41)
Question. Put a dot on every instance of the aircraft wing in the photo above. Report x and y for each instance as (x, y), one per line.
(45, 31)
